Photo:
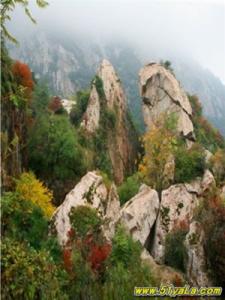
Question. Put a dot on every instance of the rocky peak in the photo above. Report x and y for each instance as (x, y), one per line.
(108, 102)
(114, 92)
(161, 93)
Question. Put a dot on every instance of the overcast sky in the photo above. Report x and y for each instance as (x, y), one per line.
(193, 27)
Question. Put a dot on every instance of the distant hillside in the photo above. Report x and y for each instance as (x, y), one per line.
(69, 64)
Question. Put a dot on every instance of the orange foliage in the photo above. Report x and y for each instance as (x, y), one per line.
(23, 76)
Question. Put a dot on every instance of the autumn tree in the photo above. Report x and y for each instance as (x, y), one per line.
(159, 142)
(55, 105)
(23, 77)
(31, 189)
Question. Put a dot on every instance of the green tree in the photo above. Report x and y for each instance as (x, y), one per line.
(189, 163)
(129, 188)
(40, 99)
(54, 149)
(80, 106)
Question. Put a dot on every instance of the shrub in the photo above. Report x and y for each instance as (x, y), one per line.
(129, 188)
(84, 220)
(28, 274)
(23, 220)
(101, 159)
(125, 260)
(217, 164)
(211, 214)
(80, 106)
(31, 189)
(85, 252)
(189, 163)
(175, 251)
(206, 134)
(109, 118)
(99, 87)
(124, 250)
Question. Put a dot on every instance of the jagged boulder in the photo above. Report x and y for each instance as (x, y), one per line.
(139, 214)
(196, 267)
(90, 191)
(110, 100)
(161, 93)
(176, 209)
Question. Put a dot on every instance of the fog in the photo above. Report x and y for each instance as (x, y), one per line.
(193, 29)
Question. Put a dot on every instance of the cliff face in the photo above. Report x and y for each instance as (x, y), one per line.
(107, 109)
(161, 93)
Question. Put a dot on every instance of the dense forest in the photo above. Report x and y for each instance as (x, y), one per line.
(85, 194)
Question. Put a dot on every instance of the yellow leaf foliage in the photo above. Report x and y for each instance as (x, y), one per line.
(31, 189)
(158, 143)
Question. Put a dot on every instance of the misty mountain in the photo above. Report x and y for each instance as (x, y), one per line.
(68, 64)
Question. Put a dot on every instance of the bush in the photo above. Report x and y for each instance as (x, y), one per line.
(125, 260)
(129, 188)
(31, 189)
(124, 250)
(217, 165)
(79, 108)
(175, 251)
(28, 274)
(108, 118)
(84, 219)
(211, 214)
(189, 163)
(101, 159)
(23, 221)
(99, 87)
(206, 134)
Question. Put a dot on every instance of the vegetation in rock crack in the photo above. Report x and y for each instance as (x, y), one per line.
(176, 253)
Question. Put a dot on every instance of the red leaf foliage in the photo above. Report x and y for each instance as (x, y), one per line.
(23, 75)
(67, 259)
(55, 104)
(97, 255)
